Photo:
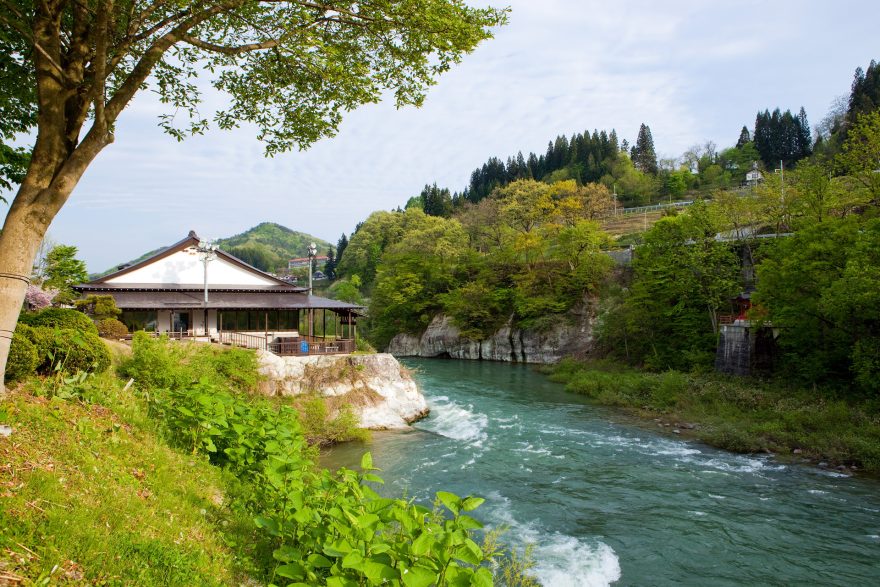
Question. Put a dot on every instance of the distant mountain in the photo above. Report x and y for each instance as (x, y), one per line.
(275, 239)
(266, 246)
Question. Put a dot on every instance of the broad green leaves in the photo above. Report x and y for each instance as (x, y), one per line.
(325, 528)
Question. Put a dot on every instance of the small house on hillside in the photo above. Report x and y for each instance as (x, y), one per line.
(304, 262)
(188, 291)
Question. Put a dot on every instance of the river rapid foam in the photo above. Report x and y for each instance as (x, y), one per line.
(604, 500)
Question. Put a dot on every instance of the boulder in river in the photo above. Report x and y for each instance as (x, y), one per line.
(379, 389)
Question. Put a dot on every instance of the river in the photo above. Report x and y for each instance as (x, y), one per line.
(607, 500)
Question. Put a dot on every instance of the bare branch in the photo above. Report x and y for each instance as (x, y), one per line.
(228, 50)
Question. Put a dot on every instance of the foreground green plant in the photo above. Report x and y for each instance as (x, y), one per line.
(321, 527)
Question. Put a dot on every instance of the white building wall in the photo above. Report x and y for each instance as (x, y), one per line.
(212, 322)
(186, 268)
(198, 322)
(163, 320)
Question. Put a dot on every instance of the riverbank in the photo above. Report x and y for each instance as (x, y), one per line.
(176, 470)
(738, 414)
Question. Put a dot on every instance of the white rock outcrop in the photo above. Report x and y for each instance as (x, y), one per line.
(571, 335)
(379, 389)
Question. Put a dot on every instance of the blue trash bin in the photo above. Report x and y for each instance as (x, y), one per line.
(304, 347)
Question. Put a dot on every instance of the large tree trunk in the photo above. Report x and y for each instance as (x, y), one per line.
(23, 230)
(49, 182)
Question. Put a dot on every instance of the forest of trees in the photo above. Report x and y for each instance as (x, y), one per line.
(522, 243)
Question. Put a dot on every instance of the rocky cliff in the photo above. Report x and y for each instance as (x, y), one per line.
(571, 335)
(378, 388)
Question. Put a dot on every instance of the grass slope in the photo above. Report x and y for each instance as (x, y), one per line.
(90, 493)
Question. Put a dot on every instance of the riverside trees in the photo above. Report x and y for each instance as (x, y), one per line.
(289, 67)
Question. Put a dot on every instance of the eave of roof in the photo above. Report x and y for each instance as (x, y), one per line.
(240, 300)
(110, 287)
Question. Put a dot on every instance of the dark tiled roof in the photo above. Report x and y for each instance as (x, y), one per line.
(226, 300)
(186, 287)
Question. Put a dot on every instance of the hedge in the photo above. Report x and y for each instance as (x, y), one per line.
(111, 328)
(22, 359)
(60, 318)
(73, 349)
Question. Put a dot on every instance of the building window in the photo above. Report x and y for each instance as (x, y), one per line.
(256, 320)
(140, 320)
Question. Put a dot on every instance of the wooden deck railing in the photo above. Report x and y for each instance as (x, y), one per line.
(306, 345)
(243, 339)
(285, 346)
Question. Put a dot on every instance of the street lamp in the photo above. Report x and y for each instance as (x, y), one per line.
(207, 251)
(313, 250)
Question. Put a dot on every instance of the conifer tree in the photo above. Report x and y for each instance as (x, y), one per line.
(744, 137)
(330, 264)
(643, 155)
(438, 202)
(341, 244)
(805, 137)
(865, 96)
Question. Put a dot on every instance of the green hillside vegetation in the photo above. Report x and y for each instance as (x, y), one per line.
(268, 246)
(529, 253)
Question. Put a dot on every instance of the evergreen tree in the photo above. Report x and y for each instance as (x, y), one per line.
(341, 244)
(613, 142)
(330, 264)
(782, 137)
(643, 155)
(437, 202)
(744, 137)
(865, 96)
(805, 137)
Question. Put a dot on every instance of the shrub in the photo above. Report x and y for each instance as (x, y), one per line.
(155, 362)
(98, 307)
(111, 328)
(363, 346)
(238, 367)
(69, 350)
(61, 318)
(22, 359)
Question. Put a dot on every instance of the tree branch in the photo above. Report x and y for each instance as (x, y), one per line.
(157, 49)
(20, 27)
(230, 50)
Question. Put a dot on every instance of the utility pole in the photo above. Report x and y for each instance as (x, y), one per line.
(208, 252)
(313, 250)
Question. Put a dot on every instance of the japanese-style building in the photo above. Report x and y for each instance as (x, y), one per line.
(187, 290)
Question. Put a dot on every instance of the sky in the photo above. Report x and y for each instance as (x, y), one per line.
(693, 71)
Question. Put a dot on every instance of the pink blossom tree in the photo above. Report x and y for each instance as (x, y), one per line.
(38, 298)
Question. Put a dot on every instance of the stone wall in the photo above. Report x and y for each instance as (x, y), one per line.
(379, 389)
(572, 334)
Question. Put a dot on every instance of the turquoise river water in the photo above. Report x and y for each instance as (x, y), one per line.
(606, 500)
